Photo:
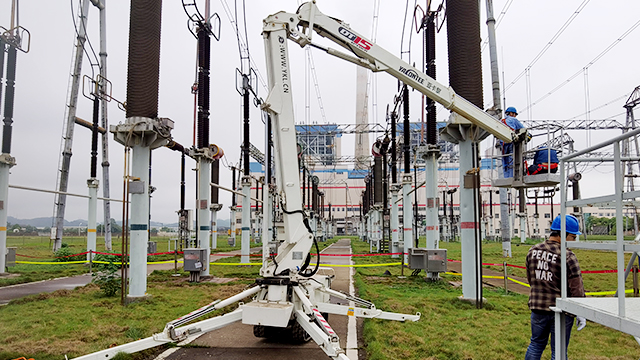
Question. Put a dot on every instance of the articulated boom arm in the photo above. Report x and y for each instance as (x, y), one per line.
(279, 103)
(298, 27)
(374, 57)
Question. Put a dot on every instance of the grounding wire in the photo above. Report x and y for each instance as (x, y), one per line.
(610, 102)
(604, 52)
(86, 36)
(243, 46)
(404, 25)
(548, 45)
(227, 11)
(503, 12)
(316, 86)
(372, 83)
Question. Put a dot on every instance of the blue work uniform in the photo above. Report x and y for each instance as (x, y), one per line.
(507, 148)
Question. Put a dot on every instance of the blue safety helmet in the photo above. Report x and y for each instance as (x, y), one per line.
(573, 227)
(511, 109)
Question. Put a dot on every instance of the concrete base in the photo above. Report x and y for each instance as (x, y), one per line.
(136, 299)
(471, 301)
(437, 278)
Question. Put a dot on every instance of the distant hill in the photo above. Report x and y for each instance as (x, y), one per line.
(48, 221)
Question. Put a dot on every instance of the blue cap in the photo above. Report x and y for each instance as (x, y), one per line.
(573, 227)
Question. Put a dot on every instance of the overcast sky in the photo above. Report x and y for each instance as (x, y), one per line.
(524, 30)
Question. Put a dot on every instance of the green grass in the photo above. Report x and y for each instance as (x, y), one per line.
(83, 321)
(492, 253)
(588, 259)
(40, 248)
(452, 329)
(47, 326)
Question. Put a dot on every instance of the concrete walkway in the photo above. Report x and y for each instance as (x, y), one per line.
(236, 341)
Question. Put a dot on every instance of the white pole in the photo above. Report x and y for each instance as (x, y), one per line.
(204, 194)
(93, 208)
(6, 162)
(407, 216)
(266, 223)
(467, 224)
(246, 220)
(139, 222)
(214, 229)
(431, 187)
(395, 242)
(105, 124)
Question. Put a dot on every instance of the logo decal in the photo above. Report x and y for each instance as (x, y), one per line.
(412, 74)
(284, 68)
(362, 43)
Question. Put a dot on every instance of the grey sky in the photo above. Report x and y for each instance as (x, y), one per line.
(43, 75)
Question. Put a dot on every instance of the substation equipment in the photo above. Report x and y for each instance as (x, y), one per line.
(290, 294)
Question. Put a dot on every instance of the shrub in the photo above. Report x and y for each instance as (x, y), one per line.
(63, 255)
(114, 260)
(108, 280)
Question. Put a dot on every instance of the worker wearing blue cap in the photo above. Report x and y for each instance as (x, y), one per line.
(543, 264)
(507, 148)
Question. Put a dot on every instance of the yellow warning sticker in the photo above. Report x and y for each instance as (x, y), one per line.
(350, 312)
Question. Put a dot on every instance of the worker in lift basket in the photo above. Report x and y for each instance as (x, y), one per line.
(507, 148)
(543, 272)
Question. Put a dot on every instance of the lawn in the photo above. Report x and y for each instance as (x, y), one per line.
(38, 249)
(452, 329)
(84, 320)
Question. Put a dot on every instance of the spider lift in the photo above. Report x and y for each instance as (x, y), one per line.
(289, 294)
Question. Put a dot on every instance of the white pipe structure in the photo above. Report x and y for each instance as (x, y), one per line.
(266, 198)
(139, 222)
(378, 229)
(523, 227)
(101, 4)
(204, 211)
(370, 230)
(393, 221)
(433, 232)
(91, 226)
(505, 227)
(505, 219)
(468, 224)
(232, 225)
(407, 216)
(266, 223)
(245, 245)
(6, 162)
(214, 227)
(72, 103)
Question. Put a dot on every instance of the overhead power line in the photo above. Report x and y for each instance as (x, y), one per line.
(548, 45)
(227, 11)
(603, 105)
(613, 44)
(501, 16)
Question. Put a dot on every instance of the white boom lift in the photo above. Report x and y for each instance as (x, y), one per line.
(289, 295)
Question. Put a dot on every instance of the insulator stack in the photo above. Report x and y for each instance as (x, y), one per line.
(204, 55)
(463, 39)
(430, 48)
(143, 71)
